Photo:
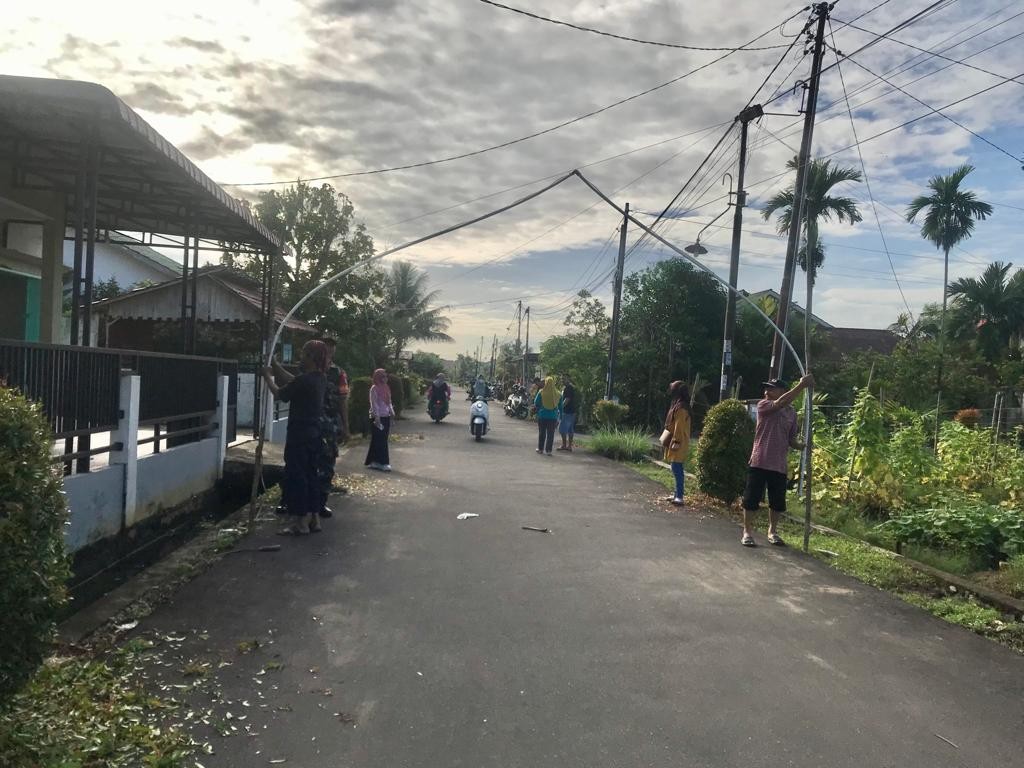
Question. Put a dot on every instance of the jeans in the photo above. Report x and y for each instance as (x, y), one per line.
(680, 475)
(546, 434)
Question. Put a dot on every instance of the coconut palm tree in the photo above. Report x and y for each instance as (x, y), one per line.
(990, 308)
(408, 308)
(950, 214)
(819, 205)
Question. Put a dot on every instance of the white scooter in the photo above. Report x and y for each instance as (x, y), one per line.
(479, 417)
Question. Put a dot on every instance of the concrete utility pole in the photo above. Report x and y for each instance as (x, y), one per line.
(752, 112)
(494, 352)
(821, 11)
(616, 307)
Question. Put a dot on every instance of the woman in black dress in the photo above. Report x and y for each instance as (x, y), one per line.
(305, 392)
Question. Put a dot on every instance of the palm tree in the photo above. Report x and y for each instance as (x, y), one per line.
(990, 307)
(407, 303)
(949, 220)
(819, 205)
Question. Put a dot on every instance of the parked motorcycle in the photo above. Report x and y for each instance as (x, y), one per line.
(516, 404)
(479, 418)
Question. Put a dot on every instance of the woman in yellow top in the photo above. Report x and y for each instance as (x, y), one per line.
(679, 423)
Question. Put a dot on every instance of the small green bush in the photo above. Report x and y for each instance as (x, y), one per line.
(724, 450)
(359, 405)
(608, 413)
(33, 563)
(620, 444)
(397, 394)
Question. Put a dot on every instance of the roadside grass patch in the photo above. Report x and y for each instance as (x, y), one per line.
(83, 712)
(629, 445)
(655, 473)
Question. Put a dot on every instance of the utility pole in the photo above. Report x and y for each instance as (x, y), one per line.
(526, 349)
(494, 352)
(752, 112)
(821, 11)
(616, 307)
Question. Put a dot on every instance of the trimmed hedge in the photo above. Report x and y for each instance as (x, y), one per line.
(33, 563)
(397, 394)
(724, 450)
(359, 405)
(609, 414)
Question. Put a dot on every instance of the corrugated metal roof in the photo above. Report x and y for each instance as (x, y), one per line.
(145, 184)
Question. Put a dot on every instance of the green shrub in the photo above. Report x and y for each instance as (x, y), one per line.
(987, 532)
(33, 564)
(608, 413)
(397, 394)
(724, 450)
(620, 444)
(359, 405)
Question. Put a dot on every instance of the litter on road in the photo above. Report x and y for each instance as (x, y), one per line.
(538, 530)
(467, 515)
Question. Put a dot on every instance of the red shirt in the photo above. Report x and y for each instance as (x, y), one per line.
(776, 430)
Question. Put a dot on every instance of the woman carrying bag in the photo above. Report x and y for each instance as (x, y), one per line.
(675, 439)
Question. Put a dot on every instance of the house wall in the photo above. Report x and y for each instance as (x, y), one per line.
(120, 262)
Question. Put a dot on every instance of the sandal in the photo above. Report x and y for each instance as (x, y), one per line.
(774, 538)
(293, 530)
(748, 540)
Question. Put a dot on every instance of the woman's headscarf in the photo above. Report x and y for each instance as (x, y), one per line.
(549, 395)
(680, 394)
(380, 380)
(317, 352)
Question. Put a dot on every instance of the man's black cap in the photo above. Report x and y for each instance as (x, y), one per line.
(777, 383)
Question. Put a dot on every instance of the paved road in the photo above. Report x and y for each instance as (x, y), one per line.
(633, 635)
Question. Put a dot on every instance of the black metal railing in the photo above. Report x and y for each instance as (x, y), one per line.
(79, 390)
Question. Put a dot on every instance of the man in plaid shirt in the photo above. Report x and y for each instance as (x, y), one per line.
(775, 434)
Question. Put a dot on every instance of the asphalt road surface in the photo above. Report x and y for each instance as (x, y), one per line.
(633, 634)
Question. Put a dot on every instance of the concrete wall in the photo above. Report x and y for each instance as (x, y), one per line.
(173, 476)
(95, 503)
(246, 397)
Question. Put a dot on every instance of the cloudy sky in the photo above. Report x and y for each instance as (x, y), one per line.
(268, 91)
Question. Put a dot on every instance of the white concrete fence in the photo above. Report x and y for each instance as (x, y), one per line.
(131, 489)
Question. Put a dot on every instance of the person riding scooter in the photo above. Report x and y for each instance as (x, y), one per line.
(439, 394)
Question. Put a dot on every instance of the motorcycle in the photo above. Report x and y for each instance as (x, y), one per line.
(516, 405)
(479, 414)
(438, 409)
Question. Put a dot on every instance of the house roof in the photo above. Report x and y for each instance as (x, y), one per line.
(795, 307)
(232, 281)
(151, 255)
(846, 340)
(144, 183)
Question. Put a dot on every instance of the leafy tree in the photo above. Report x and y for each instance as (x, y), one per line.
(318, 227)
(950, 214)
(819, 205)
(989, 309)
(671, 328)
(426, 364)
(408, 308)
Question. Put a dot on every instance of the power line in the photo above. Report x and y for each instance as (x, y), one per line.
(936, 110)
(553, 175)
(624, 37)
(925, 50)
(509, 143)
(867, 181)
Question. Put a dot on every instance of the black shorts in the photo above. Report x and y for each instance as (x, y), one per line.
(757, 480)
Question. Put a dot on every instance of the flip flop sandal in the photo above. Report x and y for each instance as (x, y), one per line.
(748, 541)
(774, 538)
(292, 532)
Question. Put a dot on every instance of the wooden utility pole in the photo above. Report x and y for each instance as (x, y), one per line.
(821, 11)
(526, 349)
(616, 308)
(752, 112)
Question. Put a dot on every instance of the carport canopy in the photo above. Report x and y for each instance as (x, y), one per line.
(52, 131)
